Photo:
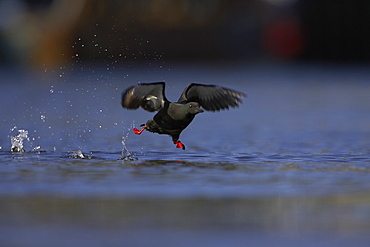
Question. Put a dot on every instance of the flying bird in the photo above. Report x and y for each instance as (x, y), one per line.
(172, 118)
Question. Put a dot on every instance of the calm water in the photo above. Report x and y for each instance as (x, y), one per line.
(289, 167)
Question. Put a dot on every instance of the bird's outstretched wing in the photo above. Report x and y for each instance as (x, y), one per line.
(150, 96)
(211, 97)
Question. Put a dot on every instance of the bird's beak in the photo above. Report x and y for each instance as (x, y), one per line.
(200, 110)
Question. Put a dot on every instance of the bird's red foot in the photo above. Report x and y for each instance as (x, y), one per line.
(138, 132)
(179, 144)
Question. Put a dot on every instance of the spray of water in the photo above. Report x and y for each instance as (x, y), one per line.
(126, 154)
(17, 141)
(77, 154)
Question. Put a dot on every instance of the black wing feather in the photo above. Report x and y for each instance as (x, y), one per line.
(150, 96)
(211, 97)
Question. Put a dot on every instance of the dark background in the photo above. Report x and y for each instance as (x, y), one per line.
(53, 33)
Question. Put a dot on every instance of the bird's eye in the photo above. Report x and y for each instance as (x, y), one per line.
(190, 106)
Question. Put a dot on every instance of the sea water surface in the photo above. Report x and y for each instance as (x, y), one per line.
(289, 167)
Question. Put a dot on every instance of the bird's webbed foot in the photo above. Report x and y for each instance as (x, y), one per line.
(179, 144)
(137, 131)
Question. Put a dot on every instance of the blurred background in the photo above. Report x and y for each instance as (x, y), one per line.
(290, 167)
(54, 33)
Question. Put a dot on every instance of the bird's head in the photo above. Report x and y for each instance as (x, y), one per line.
(193, 108)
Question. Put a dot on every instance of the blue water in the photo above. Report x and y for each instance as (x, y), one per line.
(290, 166)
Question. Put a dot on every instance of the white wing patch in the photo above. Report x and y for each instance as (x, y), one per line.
(151, 97)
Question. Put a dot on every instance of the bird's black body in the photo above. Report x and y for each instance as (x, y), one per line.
(173, 118)
(163, 123)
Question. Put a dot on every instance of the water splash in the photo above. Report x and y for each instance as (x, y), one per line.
(36, 149)
(77, 154)
(126, 154)
(17, 141)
